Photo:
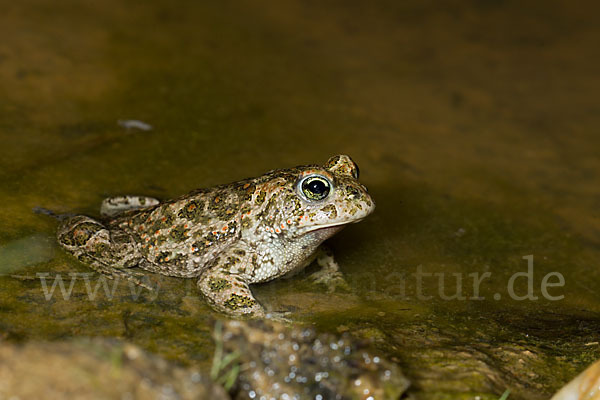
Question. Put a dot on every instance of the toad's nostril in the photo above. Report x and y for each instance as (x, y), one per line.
(353, 193)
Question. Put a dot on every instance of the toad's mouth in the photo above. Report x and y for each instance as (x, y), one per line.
(334, 224)
(327, 230)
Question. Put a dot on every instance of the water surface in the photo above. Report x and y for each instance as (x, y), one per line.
(475, 126)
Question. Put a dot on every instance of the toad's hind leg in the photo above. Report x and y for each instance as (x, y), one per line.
(110, 254)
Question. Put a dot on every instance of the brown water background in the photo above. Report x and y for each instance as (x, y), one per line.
(475, 125)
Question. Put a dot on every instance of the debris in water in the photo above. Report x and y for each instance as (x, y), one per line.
(134, 124)
(50, 213)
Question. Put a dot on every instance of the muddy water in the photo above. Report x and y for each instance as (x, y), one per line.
(475, 125)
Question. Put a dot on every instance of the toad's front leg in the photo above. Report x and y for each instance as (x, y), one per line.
(225, 287)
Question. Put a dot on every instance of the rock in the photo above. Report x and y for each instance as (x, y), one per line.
(585, 386)
(289, 363)
(96, 369)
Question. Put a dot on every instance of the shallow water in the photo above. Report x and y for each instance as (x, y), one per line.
(475, 126)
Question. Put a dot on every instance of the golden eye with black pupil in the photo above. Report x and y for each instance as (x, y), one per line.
(315, 187)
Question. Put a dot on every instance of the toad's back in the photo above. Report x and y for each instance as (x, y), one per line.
(179, 236)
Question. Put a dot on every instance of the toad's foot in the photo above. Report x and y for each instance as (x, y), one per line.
(279, 316)
(329, 275)
(137, 278)
(115, 205)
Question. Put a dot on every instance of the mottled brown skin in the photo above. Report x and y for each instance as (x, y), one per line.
(229, 236)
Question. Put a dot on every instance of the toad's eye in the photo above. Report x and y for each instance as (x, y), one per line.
(315, 187)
